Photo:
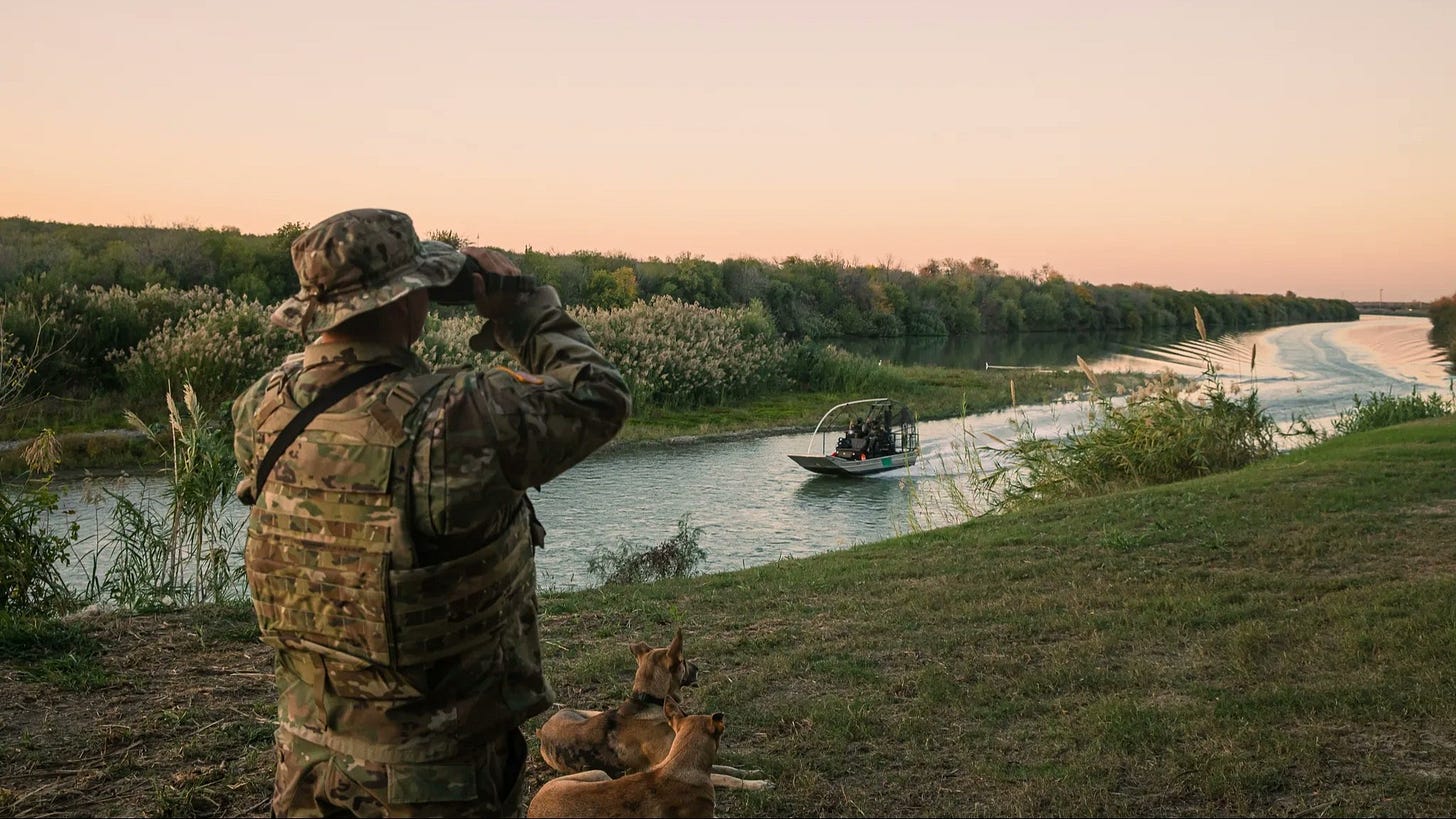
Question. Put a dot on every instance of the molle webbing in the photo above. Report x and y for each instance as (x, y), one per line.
(331, 395)
(330, 556)
(442, 609)
(350, 603)
(329, 600)
(319, 568)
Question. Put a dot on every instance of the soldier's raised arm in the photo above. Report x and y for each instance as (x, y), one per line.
(503, 430)
(564, 402)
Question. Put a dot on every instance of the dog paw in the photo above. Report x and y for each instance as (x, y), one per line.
(758, 785)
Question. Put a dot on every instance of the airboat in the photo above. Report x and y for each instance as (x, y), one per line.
(869, 436)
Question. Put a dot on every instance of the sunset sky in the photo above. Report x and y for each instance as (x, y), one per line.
(1251, 147)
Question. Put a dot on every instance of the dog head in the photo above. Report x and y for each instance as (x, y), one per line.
(685, 726)
(662, 671)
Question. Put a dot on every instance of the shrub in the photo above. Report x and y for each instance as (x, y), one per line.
(218, 351)
(119, 319)
(19, 364)
(446, 343)
(1385, 409)
(1158, 436)
(630, 562)
(1163, 432)
(1443, 326)
(812, 365)
(29, 550)
(1443, 321)
(90, 329)
(670, 353)
(678, 354)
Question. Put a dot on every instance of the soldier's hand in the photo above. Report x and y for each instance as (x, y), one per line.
(497, 303)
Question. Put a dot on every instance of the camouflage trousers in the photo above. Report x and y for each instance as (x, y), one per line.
(311, 780)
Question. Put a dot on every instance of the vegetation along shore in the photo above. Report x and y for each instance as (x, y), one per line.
(96, 321)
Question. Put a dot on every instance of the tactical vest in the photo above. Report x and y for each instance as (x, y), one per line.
(330, 556)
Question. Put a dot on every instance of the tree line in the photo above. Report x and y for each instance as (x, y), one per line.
(818, 297)
(1443, 323)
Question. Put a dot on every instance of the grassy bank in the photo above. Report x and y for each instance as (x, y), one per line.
(87, 430)
(933, 392)
(1277, 641)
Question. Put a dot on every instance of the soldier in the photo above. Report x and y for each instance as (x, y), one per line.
(390, 543)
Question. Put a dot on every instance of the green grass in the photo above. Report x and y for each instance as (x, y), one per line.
(1276, 640)
(226, 622)
(61, 653)
(87, 412)
(1273, 640)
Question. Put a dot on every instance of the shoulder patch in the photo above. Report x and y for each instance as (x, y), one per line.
(523, 377)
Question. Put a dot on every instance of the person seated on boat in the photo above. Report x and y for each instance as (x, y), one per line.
(880, 440)
(853, 444)
(889, 431)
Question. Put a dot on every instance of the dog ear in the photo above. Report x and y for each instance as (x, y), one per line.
(718, 724)
(639, 648)
(675, 649)
(673, 711)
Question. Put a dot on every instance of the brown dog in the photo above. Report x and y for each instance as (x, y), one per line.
(638, 734)
(680, 785)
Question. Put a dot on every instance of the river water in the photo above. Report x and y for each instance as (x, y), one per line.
(756, 506)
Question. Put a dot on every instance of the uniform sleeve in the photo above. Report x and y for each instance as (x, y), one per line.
(243, 409)
(490, 435)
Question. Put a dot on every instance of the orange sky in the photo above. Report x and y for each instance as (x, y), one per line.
(1254, 147)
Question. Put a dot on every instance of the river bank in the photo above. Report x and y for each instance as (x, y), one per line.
(934, 392)
(1273, 641)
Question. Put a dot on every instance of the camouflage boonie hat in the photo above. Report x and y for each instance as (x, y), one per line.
(355, 261)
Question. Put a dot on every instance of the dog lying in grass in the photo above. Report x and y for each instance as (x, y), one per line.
(637, 734)
(679, 785)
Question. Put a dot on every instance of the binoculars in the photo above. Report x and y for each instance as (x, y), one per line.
(462, 289)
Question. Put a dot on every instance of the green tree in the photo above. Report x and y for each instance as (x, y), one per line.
(608, 289)
(1443, 323)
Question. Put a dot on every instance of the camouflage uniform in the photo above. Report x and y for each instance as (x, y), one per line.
(390, 551)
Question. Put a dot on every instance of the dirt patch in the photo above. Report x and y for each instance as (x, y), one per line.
(180, 724)
(177, 721)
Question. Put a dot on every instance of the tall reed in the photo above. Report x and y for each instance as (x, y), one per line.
(184, 550)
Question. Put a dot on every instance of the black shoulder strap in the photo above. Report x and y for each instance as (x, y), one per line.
(331, 395)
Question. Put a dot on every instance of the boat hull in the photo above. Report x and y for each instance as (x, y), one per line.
(827, 465)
